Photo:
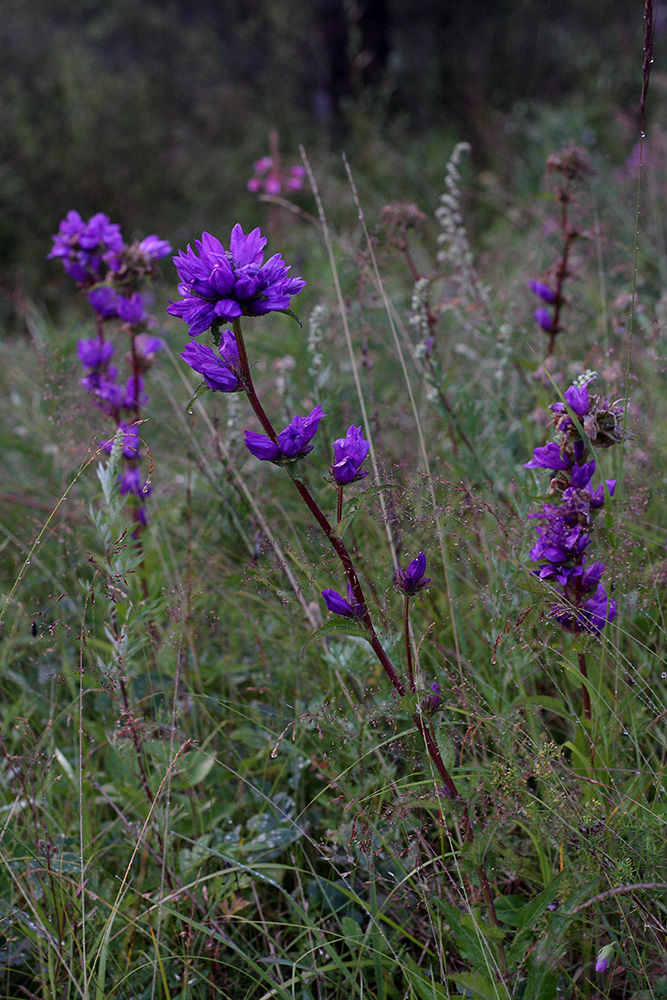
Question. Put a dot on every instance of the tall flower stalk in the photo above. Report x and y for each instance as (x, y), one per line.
(570, 165)
(218, 285)
(113, 276)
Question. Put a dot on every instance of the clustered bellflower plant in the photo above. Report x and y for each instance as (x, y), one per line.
(112, 275)
(220, 284)
(565, 524)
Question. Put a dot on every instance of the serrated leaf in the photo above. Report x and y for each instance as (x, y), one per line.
(199, 390)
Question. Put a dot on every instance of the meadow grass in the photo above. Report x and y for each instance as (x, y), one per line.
(201, 797)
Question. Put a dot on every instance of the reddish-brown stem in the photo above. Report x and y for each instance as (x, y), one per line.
(408, 646)
(246, 380)
(581, 656)
(340, 549)
(339, 506)
(569, 236)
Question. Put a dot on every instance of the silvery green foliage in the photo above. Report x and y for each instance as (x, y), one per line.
(455, 250)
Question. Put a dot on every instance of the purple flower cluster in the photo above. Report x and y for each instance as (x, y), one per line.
(272, 179)
(220, 285)
(93, 251)
(565, 525)
(110, 273)
(88, 249)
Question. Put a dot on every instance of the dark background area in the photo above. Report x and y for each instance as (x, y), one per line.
(154, 111)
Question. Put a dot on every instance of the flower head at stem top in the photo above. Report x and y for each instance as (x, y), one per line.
(349, 608)
(292, 442)
(218, 285)
(88, 249)
(411, 580)
(350, 453)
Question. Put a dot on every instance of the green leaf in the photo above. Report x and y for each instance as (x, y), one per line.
(530, 913)
(526, 917)
(197, 392)
(288, 312)
(479, 985)
(541, 983)
(336, 626)
(468, 933)
(425, 987)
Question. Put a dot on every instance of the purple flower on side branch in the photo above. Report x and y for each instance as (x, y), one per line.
(293, 441)
(544, 319)
(550, 456)
(221, 367)
(345, 608)
(350, 453)
(542, 290)
(411, 580)
(219, 285)
(104, 301)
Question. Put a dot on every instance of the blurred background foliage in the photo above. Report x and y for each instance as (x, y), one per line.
(154, 110)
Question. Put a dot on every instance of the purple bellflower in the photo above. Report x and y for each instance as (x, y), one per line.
(221, 367)
(145, 347)
(604, 958)
(411, 580)
(94, 353)
(293, 441)
(88, 249)
(544, 319)
(542, 290)
(430, 703)
(549, 456)
(131, 310)
(350, 453)
(104, 301)
(345, 608)
(153, 248)
(218, 285)
(131, 481)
